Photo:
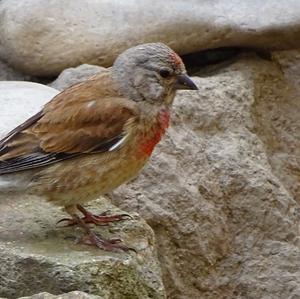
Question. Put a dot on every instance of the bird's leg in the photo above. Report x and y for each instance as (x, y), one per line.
(90, 238)
(89, 217)
(100, 219)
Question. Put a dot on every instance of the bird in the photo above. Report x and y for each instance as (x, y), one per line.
(95, 136)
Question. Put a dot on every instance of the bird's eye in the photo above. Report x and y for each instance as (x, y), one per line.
(165, 73)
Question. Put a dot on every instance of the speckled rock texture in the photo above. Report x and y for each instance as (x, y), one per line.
(222, 190)
(9, 74)
(36, 255)
(71, 295)
(42, 38)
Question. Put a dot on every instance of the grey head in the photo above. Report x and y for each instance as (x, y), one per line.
(151, 72)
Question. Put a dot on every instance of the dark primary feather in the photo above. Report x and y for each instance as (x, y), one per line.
(40, 159)
(20, 128)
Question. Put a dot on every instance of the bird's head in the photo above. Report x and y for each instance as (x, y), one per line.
(151, 72)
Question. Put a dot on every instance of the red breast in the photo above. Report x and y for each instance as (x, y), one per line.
(153, 136)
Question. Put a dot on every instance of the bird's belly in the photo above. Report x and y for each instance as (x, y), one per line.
(87, 178)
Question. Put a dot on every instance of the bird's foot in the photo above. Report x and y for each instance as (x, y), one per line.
(96, 219)
(108, 245)
(101, 219)
(90, 238)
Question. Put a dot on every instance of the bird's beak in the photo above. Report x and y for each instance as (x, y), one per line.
(184, 82)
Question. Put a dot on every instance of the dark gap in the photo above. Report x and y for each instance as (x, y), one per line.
(211, 60)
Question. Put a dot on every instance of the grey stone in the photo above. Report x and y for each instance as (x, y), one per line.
(71, 295)
(75, 75)
(43, 38)
(38, 255)
(19, 101)
(7, 73)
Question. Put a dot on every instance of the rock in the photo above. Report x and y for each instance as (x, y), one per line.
(75, 75)
(7, 73)
(71, 295)
(289, 63)
(38, 256)
(43, 38)
(21, 100)
(278, 120)
(225, 214)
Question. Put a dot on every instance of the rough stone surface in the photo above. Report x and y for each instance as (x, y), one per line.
(75, 75)
(37, 256)
(221, 191)
(278, 120)
(44, 37)
(289, 63)
(7, 73)
(71, 295)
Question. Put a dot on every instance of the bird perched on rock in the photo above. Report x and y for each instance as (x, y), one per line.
(95, 135)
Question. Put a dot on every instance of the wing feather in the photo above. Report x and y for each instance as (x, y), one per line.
(89, 117)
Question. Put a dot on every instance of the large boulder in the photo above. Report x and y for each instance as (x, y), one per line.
(9, 74)
(19, 101)
(222, 190)
(45, 37)
(36, 255)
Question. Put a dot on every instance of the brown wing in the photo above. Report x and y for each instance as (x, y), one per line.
(86, 118)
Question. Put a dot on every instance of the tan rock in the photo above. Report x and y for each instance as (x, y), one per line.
(225, 215)
(278, 120)
(45, 37)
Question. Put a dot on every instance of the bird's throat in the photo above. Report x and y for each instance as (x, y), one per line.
(154, 132)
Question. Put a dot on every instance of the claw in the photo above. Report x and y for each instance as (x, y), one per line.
(116, 240)
(107, 245)
(70, 220)
(90, 238)
(127, 215)
(101, 219)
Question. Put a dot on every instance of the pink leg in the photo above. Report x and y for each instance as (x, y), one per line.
(89, 217)
(90, 238)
